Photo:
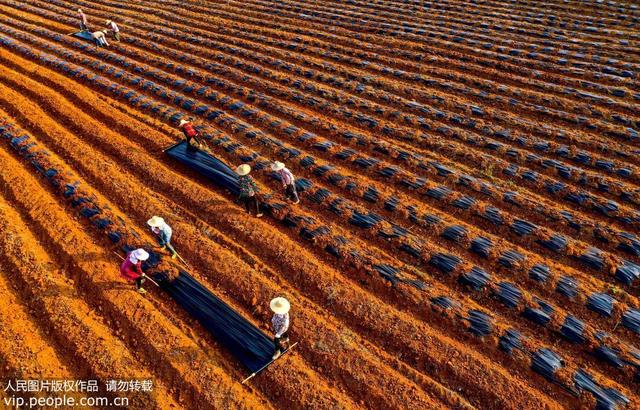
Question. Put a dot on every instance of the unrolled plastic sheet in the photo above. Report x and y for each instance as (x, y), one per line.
(252, 347)
(85, 35)
(206, 164)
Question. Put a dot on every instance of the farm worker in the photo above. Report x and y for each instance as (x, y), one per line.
(248, 189)
(288, 181)
(83, 21)
(100, 38)
(280, 321)
(131, 268)
(115, 30)
(163, 233)
(189, 131)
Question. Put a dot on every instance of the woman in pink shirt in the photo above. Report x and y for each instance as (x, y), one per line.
(288, 181)
(83, 21)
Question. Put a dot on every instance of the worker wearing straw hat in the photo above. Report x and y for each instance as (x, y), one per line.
(115, 30)
(248, 189)
(190, 132)
(131, 268)
(163, 232)
(288, 181)
(280, 321)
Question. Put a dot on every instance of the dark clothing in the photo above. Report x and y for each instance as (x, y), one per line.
(196, 139)
(247, 186)
(139, 281)
(291, 193)
(167, 244)
(277, 341)
(83, 26)
(251, 203)
(116, 35)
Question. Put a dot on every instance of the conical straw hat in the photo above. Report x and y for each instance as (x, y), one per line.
(243, 169)
(280, 305)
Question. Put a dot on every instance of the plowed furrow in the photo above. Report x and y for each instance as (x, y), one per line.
(26, 350)
(443, 48)
(493, 145)
(418, 42)
(527, 32)
(245, 29)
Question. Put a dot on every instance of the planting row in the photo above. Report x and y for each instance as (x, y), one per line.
(531, 24)
(609, 207)
(311, 332)
(576, 223)
(625, 273)
(245, 228)
(463, 39)
(157, 340)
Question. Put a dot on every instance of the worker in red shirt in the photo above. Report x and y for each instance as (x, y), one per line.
(189, 131)
(131, 268)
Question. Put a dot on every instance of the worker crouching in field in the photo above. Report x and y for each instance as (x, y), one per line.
(100, 38)
(190, 132)
(248, 189)
(280, 321)
(115, 30)
(163, 232)
(131, 268)
(288, 181)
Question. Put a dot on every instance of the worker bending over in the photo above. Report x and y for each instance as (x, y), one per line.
(280, 321)
(248, 190)
(163, 234)
(288, 181)
(100, 38)
(131, 268)
(190, 132)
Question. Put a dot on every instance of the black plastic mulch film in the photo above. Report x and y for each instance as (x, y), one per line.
(246, 342)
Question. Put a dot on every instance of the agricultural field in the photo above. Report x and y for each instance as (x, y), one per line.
(469, 176)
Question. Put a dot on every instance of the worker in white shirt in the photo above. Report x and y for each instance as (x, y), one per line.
(280, 321)
(115, 30)
(100, 38)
